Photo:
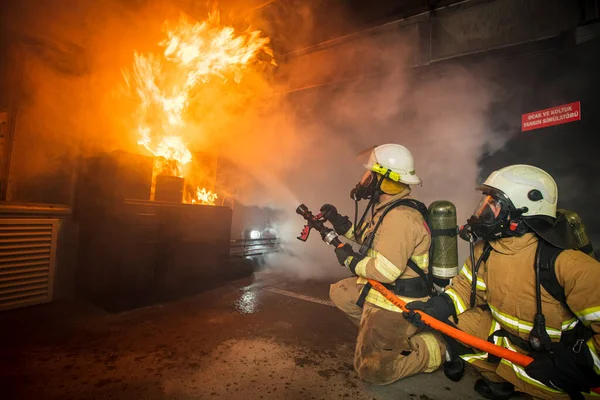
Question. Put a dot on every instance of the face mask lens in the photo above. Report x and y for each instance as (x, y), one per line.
(489, 209)
(367, 179)
(365, 188)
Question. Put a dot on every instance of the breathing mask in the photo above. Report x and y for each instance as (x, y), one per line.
(494, 218)
(367, 188)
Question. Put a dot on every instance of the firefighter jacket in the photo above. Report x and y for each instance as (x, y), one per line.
(402, 235)
(506, 284)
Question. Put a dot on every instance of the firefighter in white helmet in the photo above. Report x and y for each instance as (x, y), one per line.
(395, 242)
(530, 291)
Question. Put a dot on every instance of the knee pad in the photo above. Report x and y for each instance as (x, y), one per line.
(372, 373)
(334, 291)
(434, 348)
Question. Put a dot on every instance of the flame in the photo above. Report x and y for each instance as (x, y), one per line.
(204, 196)
(193, 54)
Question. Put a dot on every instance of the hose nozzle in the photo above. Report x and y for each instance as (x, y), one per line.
(304, 211)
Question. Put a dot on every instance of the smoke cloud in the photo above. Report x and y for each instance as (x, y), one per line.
(295, 138)
(441, 119)
(440, 114)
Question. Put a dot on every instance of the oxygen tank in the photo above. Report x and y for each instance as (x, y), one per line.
(442, 220)
(583, 241)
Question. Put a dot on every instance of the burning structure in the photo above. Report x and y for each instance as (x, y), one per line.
(149, 223)
(171, 92)
(153, 213)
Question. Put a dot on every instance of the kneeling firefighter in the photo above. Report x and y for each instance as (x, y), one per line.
(528, 286)
(395, 242)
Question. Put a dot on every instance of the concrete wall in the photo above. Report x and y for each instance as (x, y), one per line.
(499, 23)
(453, 31)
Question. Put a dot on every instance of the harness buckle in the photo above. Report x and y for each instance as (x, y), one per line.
(578, 345)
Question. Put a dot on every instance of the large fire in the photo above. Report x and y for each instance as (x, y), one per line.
(193, 54)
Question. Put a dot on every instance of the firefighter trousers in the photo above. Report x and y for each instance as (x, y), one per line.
(388, 347)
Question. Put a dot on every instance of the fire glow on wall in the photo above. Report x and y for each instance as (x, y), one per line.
(167, 85)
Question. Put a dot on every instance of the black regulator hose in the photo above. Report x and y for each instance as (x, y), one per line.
(473, 270)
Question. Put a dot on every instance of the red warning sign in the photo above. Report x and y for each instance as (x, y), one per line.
(551, 116)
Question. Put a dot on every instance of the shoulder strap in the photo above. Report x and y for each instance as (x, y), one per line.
(487, 249)
(588, 249)
(548, 279)
(413, 265)
(421, 208)
(416, 205)
(412, 203)
(548, 255)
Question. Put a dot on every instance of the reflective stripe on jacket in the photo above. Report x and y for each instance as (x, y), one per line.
(506, 283)
(402, 235)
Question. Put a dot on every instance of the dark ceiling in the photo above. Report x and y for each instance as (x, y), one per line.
(294, 24)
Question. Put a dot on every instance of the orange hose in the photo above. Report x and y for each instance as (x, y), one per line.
(512, 356)
(457, 334)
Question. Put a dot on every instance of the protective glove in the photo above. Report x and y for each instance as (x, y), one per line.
(341, 224)
(567, 368)
(439, 307)
(344, 254)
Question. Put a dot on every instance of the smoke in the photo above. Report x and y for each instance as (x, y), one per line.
(293, 138)
(440, 114)
(441, 119)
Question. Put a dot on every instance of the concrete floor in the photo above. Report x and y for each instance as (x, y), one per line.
(243, 341)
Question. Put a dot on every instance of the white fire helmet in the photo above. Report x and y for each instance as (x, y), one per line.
(525, 186)
(394, 158)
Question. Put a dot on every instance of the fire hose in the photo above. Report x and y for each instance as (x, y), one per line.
(330, 237)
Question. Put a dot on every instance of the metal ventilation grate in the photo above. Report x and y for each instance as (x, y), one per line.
(27, 248)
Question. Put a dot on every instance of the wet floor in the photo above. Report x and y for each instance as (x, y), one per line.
(256, 338)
